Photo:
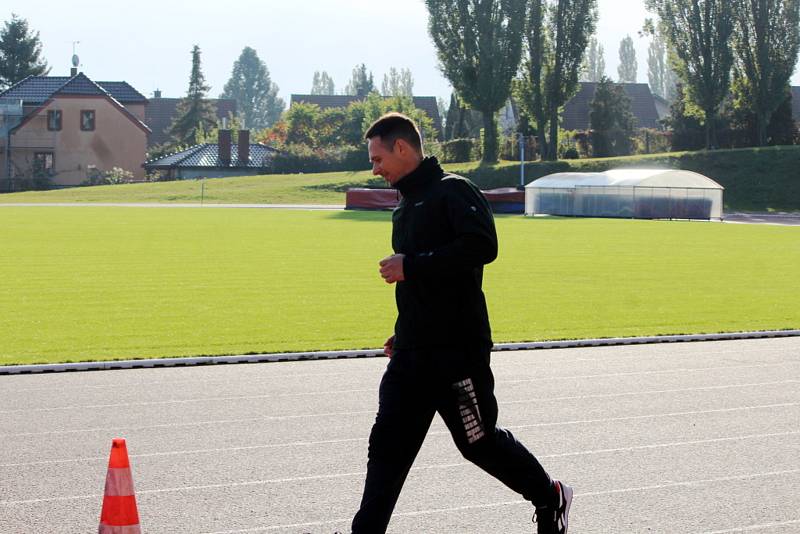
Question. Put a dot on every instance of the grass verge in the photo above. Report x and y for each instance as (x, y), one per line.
(757, 179)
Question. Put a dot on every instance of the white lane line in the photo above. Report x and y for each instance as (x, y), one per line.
(762, 526)
(654, 416)
(483, 506)
(269, 396)
(652, 392)
(433, 433)
(255, 379)
(539, 361)
(372, 412)
(437, 466)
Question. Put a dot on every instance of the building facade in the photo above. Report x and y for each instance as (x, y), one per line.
(66, 128)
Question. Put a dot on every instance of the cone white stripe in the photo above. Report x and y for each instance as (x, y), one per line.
(119, 482)
(127, 529)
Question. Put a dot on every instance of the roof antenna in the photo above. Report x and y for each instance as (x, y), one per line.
(75, 60)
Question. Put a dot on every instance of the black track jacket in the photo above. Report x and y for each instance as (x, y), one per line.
(445, 228)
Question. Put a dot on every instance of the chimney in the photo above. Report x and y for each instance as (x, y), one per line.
(243, 147)
(225, 147)
(157, 93)
(73, 72)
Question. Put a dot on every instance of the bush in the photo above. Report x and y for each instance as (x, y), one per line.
(116, 175)
(303, 158)
(570, 153)
(457, 150)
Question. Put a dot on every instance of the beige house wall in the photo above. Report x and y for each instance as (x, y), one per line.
(116, 141)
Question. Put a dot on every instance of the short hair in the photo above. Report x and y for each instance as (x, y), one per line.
(393, 126)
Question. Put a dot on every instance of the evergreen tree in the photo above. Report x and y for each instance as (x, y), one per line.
(611, 120)
(479, 45)
(322, 84)
(557, 37)
(461, 122)
(20, 51)
(360, 83)
(699, 33)
(398, 83)
(195, 114)
(767, 42)
(256, 95)
(594, 64)
(687, 130)
(627, 61)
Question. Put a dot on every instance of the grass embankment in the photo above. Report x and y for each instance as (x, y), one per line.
(109, 283)
(760, 179)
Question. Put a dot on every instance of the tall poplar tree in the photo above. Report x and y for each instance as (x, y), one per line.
(256, 95)
(594, 64)
(360, 83)
(398, 83)
(627, 61)
(479, 45)
(699, 32)
(20, 52)
(322, 84)
(195, 114)
(557, 35)
(766, 45)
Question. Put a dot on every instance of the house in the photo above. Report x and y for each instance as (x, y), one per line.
(425, 103)
(643, 106)
(216, 160)
(67, 126)
(161, 112)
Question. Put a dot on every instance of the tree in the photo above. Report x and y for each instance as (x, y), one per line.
(195, 114)
(20, 51)
(594, 64)
(301, 121)
(479, 45)
(397, 83)
(687, 130)
(660, 75)
(699, 32)
(461, 122)
(322, 84)
(611, 120)
(360, 84)
(627, 61)
(557, 37)
(256, 95)
(766, 45)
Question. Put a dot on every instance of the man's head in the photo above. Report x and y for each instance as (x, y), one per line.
(395, 146)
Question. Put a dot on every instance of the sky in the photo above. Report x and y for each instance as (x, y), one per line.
(148, 44)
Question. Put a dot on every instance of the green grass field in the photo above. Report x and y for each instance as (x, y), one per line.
(108, 283)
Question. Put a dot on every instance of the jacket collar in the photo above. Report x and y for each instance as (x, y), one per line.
(420, 178)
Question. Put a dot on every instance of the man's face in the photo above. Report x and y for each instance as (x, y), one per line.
(387, 163)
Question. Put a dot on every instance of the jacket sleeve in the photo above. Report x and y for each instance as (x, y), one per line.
(475, 244)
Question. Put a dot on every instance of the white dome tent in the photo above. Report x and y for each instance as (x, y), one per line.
(627, 193)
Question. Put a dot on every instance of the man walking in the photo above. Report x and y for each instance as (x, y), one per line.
(442, 235)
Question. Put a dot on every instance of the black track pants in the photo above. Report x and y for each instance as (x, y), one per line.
(459, 385)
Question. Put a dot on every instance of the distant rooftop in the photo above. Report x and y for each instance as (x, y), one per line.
(160, 112)
(643, 106)
(36, 90)
(206, 156)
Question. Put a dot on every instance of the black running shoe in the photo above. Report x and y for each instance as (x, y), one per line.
(554, 519)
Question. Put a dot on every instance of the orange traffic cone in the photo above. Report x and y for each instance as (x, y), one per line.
(119, 515)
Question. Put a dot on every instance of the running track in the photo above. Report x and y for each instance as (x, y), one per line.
(689, 437)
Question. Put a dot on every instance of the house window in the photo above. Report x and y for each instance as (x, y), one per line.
(87, 120)
(54, 120)
(44, 163)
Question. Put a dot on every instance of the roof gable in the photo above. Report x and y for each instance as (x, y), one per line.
(576, 112)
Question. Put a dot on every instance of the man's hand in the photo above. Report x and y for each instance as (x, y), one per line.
(388, 347)
(392, 268)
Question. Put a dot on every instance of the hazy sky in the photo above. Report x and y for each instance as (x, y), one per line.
(148, 43)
